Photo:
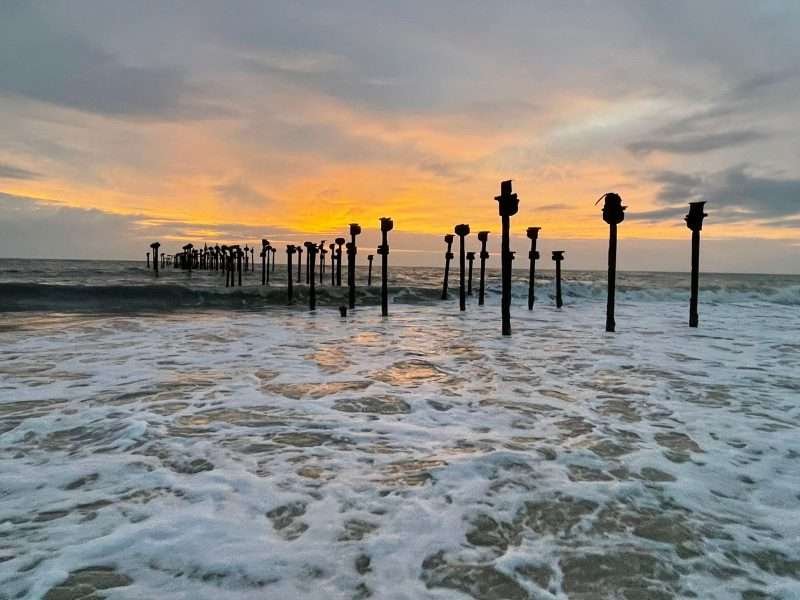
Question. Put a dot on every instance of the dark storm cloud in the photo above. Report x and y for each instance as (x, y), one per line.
(40, 62)
(11, 172)
(734, 195)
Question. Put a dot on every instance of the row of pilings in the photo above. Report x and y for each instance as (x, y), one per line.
(232, 260)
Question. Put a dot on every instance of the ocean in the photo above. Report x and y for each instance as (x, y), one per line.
(172, 438)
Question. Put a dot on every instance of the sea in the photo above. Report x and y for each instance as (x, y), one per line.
(174, 438)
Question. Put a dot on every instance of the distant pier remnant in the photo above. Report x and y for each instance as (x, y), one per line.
(508, 205)
(246, 257)
(148, 261)
(694, 221)
(558, 256)
(383, 250)
(299, 250)
(239, 255)
(369, 271)
(339, 242)
(333, 264)
(274, 252)
(613, 214)
(264, 260)
(322, 252)
(311, 255)
(155, 246)
(290, 250)
(448, 256)
(483, 237)
(462, 231)
(352, 250)
(533, 255)
(187, 251)
(470, 260)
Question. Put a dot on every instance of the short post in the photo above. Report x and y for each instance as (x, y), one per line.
(613, 214)
(155, 246)
(448, 256)
(483, 236)
(369, 272)
(299, 250)
(148, 261)
(462, 231)
(558, 256)
(533, 255)
(383, 250)
(470, 260)
(694, 221)
(311, 254)
(339, 242)
(508, 205)
(290, 249)
(352, 251)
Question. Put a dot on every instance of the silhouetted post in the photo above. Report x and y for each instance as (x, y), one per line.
(448, 256)
(311, 253)
(322, 252)
(483, 236)
(339, 242)
(533, 255)
(148, 261)
(694, 221)
(253, 258)
(189, 256)
(558, 256)
(299, 250)
(352, 251)
(462, 231)
(155, 246)
(369, 272)
(274, 252)
(333, 264)
(264, 255)
(383, 250)
(508, 205)
(224, 261)
(290, 250)
(613, 214)
(163, 261)
(239, 255)
(470, 260)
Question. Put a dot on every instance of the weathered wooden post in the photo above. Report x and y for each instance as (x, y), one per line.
(239, 255)
(322, 252)
(470, 260)
(155, 246)
(462, 231)
(448, 256)
(274, 252)
(333, 264)
(383, 250)
(613, 214)
(694, 221)
(352, 251)
(311, 253)
(508, 205)
(224, 260)
(299, 250)
(290, 250)
(339, 242)
(253, 257)
(558, 256)
(369, 272)
(148, 261)
(264, 255)
(246, 257)
(483, 236)
(533, 255)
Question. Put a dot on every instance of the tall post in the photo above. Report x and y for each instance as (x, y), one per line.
(322, 252)
(483, 236)
(448, 256)
(369, 272)
(333, 264)
(533, 255)
(352, 250)
(311, 254)
(383, 250)
(264, 259)
(613, 214)
(148, 261)
(239, 255)
(694, 221)
(299, 250)
(246, 257)
(462, 231)
(224, 260)
(274, 252)
(558, 256)
(339, 242)
(508, 205)
(470, 260)
(189, 256)
(290, 249)
(155, 246)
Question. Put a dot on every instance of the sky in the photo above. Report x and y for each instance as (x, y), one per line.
(204, 121)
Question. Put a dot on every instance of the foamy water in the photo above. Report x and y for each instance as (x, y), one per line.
(276, 453)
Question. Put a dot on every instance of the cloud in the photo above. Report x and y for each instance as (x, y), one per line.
(696, 144)
(239, 193)
(11, 172)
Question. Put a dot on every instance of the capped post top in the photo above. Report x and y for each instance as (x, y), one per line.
(613, 211)
(449, 238)
(370, 257)
(533, 232)
(355, 229)
(462, 230)
(483, 236)
(299, 248)
(694, 220)
(508, 203)
(311, 247)
(155, 245)
(386, 224)
(290, 249)
(340, 241)
(264, 243)
(470, 256)
(188, 247)
(558, 255)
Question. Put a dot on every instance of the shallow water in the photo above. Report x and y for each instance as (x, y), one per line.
(284, 454)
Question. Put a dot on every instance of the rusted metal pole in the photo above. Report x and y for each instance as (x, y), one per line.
(290, 250)
(470, 260)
